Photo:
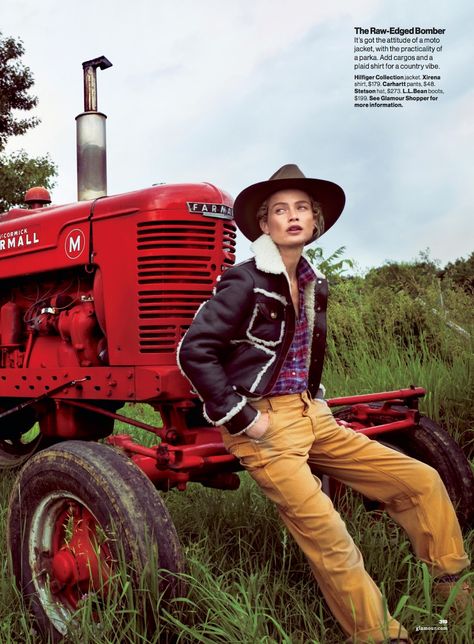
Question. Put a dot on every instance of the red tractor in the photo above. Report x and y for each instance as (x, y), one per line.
(94, 299)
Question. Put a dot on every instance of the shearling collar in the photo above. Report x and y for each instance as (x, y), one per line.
(268, 258)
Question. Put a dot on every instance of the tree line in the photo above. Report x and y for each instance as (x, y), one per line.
(18, 170)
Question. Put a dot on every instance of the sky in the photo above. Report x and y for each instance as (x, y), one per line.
(229, 91)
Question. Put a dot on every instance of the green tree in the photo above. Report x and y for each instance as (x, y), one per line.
(333, 266)
(461, 273)
(412, 277)
(18, 171)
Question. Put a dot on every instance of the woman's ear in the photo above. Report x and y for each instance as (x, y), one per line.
(263, 225)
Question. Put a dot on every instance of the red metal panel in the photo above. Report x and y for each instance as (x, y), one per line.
(103, 383)
(36, 241)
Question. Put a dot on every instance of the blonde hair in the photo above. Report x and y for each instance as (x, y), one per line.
(262, 215)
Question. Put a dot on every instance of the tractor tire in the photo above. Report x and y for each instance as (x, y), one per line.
(80, 514)
(430, 443)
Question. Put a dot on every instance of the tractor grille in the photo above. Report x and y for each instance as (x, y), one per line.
(177, 266)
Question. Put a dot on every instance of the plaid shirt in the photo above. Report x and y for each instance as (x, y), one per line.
(293, 377)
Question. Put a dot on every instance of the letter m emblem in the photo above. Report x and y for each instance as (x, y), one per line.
(74, 244)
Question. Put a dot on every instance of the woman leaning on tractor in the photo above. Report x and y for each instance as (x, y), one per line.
(254, 355)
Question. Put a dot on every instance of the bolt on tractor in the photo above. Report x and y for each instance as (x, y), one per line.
(95, 297)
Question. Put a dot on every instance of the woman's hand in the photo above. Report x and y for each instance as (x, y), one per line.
(258, 429)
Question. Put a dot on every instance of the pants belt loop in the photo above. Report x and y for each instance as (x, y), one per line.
(306, 398)
(269, 402)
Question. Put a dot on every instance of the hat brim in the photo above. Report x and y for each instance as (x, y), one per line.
(329, 195)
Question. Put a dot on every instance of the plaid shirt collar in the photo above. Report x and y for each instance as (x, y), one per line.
(304, 273)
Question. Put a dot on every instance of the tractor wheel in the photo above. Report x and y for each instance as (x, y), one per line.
(83, 521)
(430, 443)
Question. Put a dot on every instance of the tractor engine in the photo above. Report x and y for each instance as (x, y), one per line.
(102, 292)
(50, 323)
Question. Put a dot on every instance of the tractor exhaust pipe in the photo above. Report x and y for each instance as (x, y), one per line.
(90, 136)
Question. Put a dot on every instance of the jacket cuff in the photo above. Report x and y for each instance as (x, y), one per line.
(243, 431)
(246, 417)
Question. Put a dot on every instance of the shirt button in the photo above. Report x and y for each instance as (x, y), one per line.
(320, 281)
(293, 373)
(318, 309)
(273, 314)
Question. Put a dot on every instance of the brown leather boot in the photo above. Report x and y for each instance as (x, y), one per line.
(464, 597)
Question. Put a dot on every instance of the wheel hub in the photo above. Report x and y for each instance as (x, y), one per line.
(69, 552)
(79, 560)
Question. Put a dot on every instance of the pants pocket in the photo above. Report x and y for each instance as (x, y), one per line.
(247, 452)
(270, 428)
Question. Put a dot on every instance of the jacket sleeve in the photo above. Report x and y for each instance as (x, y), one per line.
(205, 343)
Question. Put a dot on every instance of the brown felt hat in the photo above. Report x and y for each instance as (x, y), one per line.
(329, 195)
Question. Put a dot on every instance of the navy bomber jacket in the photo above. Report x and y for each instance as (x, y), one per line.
(238, 341)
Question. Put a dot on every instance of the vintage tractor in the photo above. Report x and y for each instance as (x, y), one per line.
(94, 299)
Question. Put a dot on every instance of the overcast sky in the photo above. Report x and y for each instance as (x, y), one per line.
(228, 91)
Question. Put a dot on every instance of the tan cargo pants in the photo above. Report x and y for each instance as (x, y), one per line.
(303, 431)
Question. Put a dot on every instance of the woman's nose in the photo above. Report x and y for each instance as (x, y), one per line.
(293, 214)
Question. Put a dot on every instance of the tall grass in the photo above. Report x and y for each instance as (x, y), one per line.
(383, 339)
(247, 581)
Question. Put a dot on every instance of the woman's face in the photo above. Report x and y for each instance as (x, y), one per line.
(290, 219)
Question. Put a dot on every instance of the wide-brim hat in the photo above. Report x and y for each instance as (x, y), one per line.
(329, 195)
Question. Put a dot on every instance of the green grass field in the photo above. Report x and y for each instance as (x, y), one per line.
(247, 581)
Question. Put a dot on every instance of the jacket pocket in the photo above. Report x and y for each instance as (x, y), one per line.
(267, 323)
